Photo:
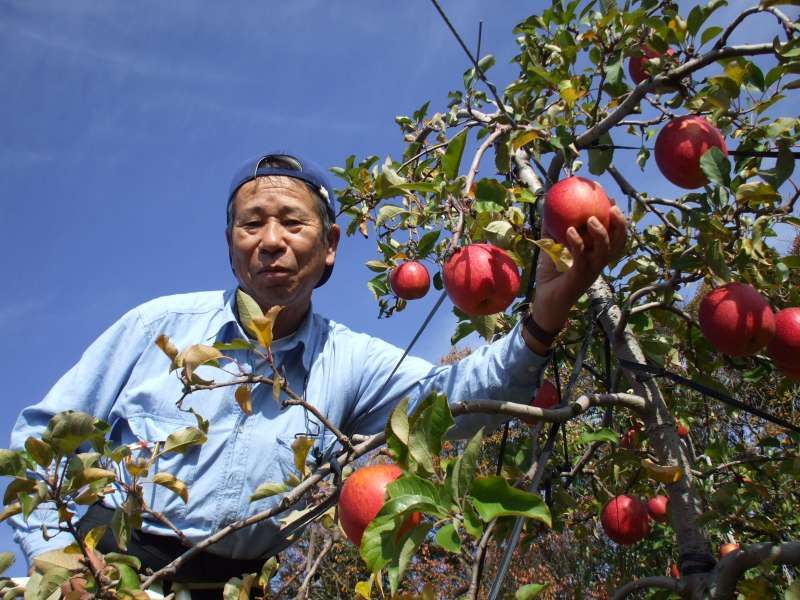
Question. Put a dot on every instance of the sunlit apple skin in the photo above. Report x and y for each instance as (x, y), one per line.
(569, 203)
(658, 507)
(675, 571)
(736, 319)
(726, 549)
(546, 397)
(636, 64)
(410, 280)
(481, 279)
(682, 429)
(362, 497)
(784, 347)
(679, 146)
(625, 520)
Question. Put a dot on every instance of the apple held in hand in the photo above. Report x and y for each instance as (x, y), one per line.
(657, 508)
(546, 397)
(784, 347)
(736, 319)
(569, 203)
(362, 497)
(481, 279)
(682, 429)
(726, 549)
(637, 63)
(679, 146)
(625, 520)
(410, 280)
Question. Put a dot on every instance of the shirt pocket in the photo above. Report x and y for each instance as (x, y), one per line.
(152, 429)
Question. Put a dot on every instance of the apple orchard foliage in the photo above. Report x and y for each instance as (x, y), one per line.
(573, 110)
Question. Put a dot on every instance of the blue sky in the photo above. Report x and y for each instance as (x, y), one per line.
(121, 124)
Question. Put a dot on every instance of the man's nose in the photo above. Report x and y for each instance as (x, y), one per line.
(272, 237)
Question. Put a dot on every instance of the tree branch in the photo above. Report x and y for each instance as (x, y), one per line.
(664, 583)
(731, 568)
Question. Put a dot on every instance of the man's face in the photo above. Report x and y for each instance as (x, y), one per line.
(277, 248)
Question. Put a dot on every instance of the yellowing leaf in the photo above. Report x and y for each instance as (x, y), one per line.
(558, 254)
(64, 514)
(300, 447)
(172, 483)
(94, 536)
(525, 138)
(364, 588)
(167, 347)
(244, 399)
(276, 386)
(662, 473)
(194, 356)
(263, 326)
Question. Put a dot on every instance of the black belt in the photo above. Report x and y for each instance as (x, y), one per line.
(157, 551)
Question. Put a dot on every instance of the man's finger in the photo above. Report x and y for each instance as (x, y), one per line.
(598, 257)
(617, 231)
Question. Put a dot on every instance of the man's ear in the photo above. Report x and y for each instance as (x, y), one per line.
(333, 243)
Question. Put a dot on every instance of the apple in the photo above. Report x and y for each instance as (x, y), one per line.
(546, 397)
(679, 146)
(638, 62)
(736, 319)
(726, 549)
(629, 439)
(362, 497)
(410, 280)
(784, 347)
(625, 520)
(569, 203)
(657, 508)
(675, 571)
(682, 429)
(481, 279)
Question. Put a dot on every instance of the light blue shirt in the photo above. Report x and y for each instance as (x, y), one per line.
(124, 379)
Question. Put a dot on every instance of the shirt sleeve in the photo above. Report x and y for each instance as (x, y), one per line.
(504, 370)
(91, 386)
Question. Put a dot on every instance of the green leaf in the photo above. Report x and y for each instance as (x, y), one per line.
(485, 325)
(6, 560)
(426, 243)
(388, 212)
(755, 193)
(40, 451)
(18, 485)
(265, 490)
(486, 63)
(68, 430)
(268, 570)
(51, 582)
(128, 578)
(532, 590)
(10, 511)
(709, 34)
(172, 483)
(500, 233)
(447, 538)
(491, 191)
(11, 463)
(428, 425)
(716, 166)
(472, 522)
(452, 156)
(408, 547)
(466, 466)
(412, 485)
(397, 433)
(492, 497)
(121, 528)
(599, 160)
(237, 344)
(784, 166)
(123, 559)
(184, 439)
(601, 435)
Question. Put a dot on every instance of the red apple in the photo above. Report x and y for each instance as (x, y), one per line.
(736, 319)
(784, 347)
(675, 571)
(625, 520)
(569, 203)
(629, 439)
(726, 549)
(481, 279)
(682, 429)
(679, 146)
(546, 397)
(657, 507)
(362, 497)
(410, 280)
(637, 63)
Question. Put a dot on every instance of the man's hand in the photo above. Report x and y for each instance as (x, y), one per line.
(557, 292)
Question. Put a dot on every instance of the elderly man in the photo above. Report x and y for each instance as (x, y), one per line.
(282, 242)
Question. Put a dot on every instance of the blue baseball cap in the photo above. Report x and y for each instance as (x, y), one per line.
(288, 165)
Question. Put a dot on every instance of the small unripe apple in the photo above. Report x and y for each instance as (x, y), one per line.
(637, 63)
(726, 549)
(481, 279)
(736, 319)
(784, 347)
(410, 280)
(625, 520)
(546, 397)
(657, 507)
(682, 429)
(679, 146)
(362, 497)
(569, 203)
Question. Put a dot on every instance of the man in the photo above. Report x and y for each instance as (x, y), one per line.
(282, 243)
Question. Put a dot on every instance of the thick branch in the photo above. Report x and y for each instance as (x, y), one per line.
(551, 415)
(664, 583)
(731, 568)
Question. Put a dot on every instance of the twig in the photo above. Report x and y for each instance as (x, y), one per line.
(629, 190)
(723, 39)
(480, 555)
(163, 518)
(302, 593)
